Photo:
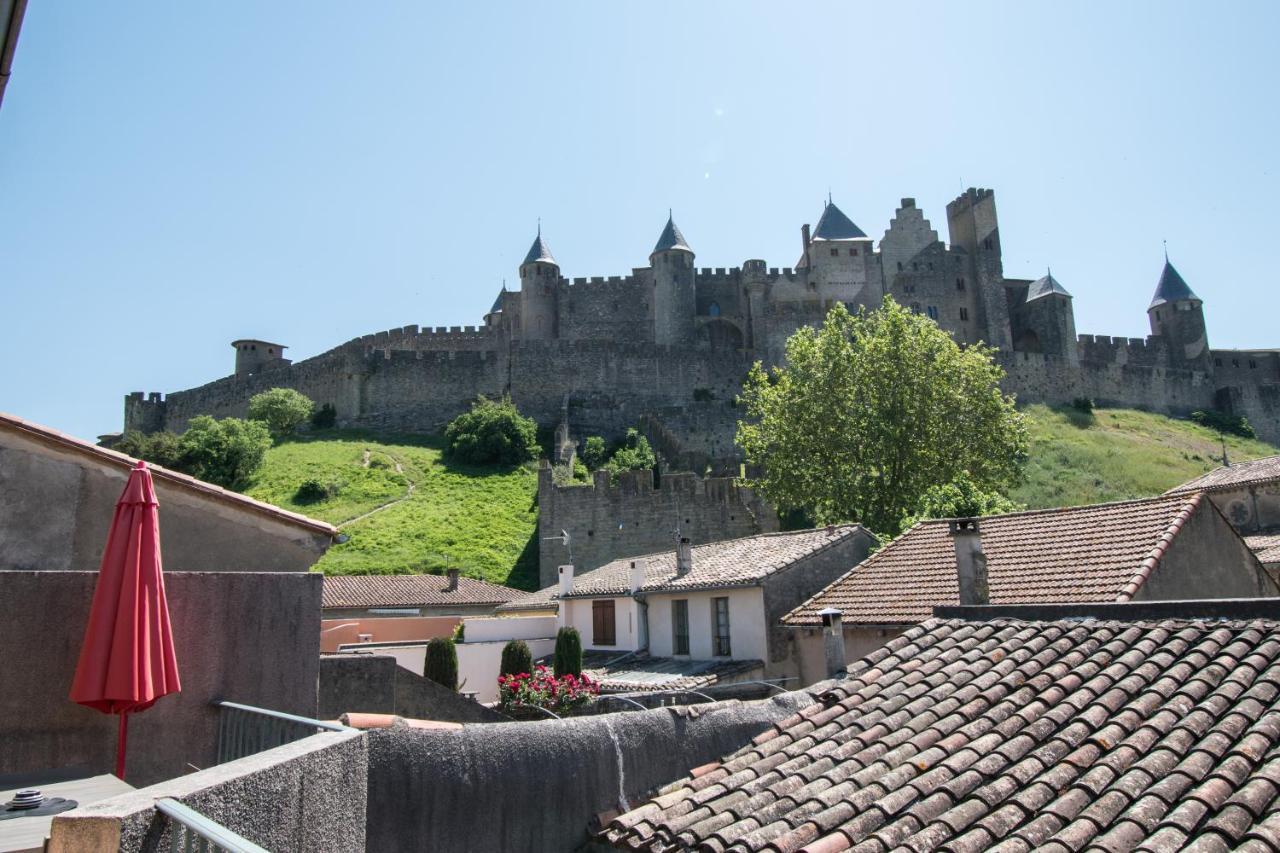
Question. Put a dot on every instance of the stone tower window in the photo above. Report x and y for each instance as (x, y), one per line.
(986, 242)
(933, 312)
(1217, 362)
(899, 266)
(914, 265)
(853, 252)
(964, 313)
(835, 252)
(713, 310)
(960, 284)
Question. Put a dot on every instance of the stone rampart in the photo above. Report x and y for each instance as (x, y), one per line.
(635, 516)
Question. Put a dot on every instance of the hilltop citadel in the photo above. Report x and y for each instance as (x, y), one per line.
(668, 345)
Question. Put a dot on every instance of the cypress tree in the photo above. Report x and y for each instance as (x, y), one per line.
(516, 658)
(442, 663)
(568, 657)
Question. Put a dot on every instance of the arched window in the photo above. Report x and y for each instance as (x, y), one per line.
(713, 310)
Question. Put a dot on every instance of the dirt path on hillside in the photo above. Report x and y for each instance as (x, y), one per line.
(399, 469)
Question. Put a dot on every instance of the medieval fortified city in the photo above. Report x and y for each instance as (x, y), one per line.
(872, 552)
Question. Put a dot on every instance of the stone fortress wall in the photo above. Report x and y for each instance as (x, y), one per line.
(667, 346)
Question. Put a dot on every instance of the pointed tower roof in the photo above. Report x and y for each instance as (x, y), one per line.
(497, 303)
(834, 225)
(671, 239)
(1046, 285)
(539, 252)
(1171, 287)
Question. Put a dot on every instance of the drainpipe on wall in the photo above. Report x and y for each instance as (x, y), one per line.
(642, 606)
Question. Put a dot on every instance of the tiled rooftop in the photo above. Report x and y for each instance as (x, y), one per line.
(731, 563)
(410, 591)
(1233, 476)
(1102, 552)
(55, 438)
(1007, 736)
(1266, 546)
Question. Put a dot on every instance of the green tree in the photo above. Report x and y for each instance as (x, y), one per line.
(568, 653)
(283, 410)
(594, 453)
(162, 448)
(871, 411)
(961, 498)
(516, 658)
(442, 662)
(227, 452)
(324, 417)
(493, 432)
(633, 454)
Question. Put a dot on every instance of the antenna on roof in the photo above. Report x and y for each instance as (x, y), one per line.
(539, 226)
(1166, 250)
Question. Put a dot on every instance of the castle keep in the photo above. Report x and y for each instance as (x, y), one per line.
(668, 345)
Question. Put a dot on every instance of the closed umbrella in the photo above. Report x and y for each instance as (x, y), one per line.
(127, 661)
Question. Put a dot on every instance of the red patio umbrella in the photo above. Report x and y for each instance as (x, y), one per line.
(127, 660)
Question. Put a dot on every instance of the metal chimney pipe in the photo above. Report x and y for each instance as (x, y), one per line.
(971, 562)
(833, 641)
(452, 586)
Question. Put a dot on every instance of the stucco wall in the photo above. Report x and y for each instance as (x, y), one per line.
(747, 632)
(1207, 559)
(56, 507)
(241, 636)
(376, 684)
(576, 613)
(538, 786)
(385, 629)
(810, 657)
(479, 664)
(1250, 509)
(307, 795)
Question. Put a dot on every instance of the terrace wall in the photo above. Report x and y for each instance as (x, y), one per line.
(541, 785)
(246, 637)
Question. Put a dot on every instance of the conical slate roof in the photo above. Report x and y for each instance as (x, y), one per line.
(834, 225)
(497, 303)
(672, 239)
(1171, 287)
(1046, 285)
(538, 252)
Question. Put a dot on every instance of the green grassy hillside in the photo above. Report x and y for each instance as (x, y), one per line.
(406, 510)
(1115, 454)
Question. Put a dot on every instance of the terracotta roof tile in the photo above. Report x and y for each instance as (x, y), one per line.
(1266, 546)
(1103, 552)
(730, 563)
(1044, 763)
(1233, 476)
(411, 591)
(49, 436)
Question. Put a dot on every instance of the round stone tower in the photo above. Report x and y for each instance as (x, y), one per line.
(674, 297)
(252, 356)
(539, 292)
(1177, 317)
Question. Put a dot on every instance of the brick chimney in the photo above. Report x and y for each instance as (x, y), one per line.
(684, 557)
(971, 563)
(637, 577)
(566, 580)
(804, 239)
(452, 585)
(833, 641)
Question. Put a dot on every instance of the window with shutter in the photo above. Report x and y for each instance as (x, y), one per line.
(603, 624)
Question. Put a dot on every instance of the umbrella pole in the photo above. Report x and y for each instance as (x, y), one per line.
(124, 731)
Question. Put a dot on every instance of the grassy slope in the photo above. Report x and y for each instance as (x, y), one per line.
(484, 519)
(1117, 454)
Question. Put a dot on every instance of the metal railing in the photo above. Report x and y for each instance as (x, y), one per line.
(192, 832)
(245, 730)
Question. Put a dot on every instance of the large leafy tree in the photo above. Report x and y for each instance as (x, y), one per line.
(227, 452)
(283, 410)
(871, 412)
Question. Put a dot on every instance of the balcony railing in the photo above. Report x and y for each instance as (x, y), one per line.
(245, 730)
(192, 832)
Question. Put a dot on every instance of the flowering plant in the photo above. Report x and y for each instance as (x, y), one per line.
(542, 689)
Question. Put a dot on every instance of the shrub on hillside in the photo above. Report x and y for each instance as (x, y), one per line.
(442, 663)
(227, 452)
(1083, 404)
(162, 448)
(568, 654)
(492, 433)
(324, 417)
(283, 410)
(516, 658)
(1223, 422)
(313, 490)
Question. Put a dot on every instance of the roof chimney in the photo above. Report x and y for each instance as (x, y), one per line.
(804, 239)
(637, 577)
(971, 563)
(452, 585)
(833, 641)
(684, 557)
(566, 580)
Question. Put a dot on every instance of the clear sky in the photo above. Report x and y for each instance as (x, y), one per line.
(177, 175)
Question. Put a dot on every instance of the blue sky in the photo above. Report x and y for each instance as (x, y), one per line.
(177, 175)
